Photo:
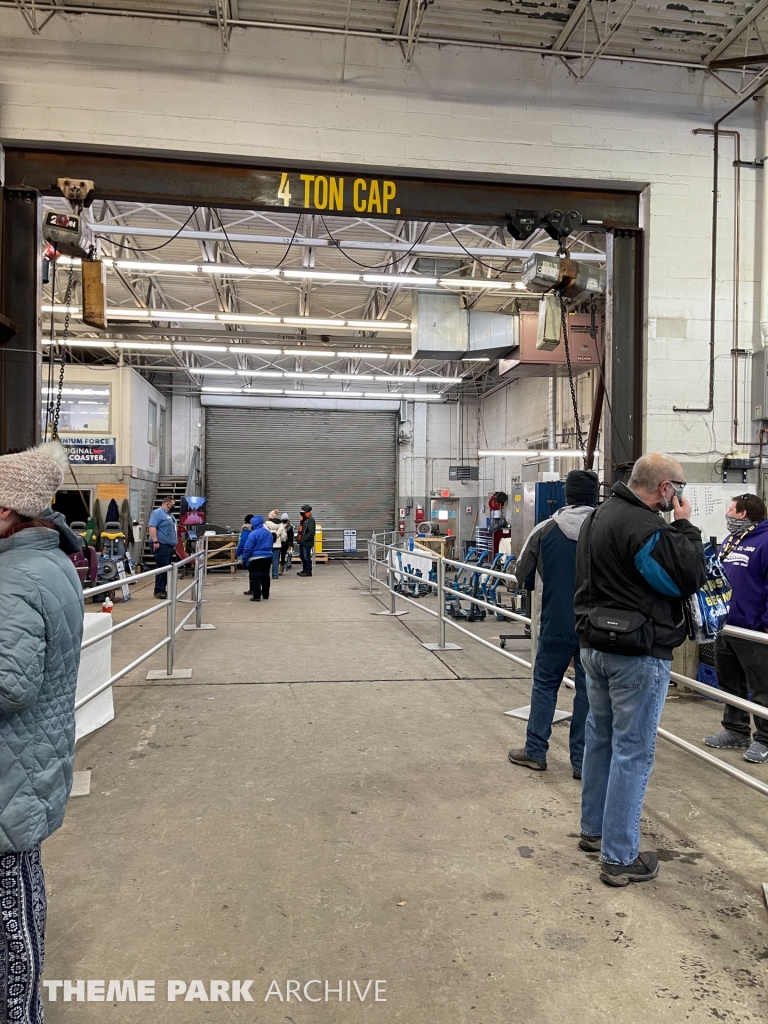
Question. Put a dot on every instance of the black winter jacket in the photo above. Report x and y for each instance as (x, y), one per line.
(630, 559)
(307, 532)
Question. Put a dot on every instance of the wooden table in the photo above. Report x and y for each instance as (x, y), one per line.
(443, 546)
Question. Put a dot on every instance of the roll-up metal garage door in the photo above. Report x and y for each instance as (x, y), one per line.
(341, 463)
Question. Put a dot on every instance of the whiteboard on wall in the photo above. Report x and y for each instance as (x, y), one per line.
(709, 503)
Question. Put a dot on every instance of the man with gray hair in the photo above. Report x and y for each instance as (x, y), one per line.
(633, 572)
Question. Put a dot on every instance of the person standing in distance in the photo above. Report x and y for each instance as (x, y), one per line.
(306, 540)
(41, 608)
(275, 526)
(633, 571)
(257, 556)
(742, 665)
(164, 534)
(548, 563)
(286, 548)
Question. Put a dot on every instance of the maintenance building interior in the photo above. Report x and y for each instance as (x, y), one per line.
(322, 234)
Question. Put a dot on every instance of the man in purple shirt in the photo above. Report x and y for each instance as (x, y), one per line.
(742, 665)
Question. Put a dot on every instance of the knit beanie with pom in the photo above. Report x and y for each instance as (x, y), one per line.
(29, 480)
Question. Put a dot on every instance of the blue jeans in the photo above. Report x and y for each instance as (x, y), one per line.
(305, 551)
(163, 556)
(552, 659)
(626, 698)
(275, 562)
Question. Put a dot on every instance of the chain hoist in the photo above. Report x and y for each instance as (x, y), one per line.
(54, 407)
(577, 418)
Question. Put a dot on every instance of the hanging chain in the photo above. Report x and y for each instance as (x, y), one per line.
(64, 338)
(576, 417)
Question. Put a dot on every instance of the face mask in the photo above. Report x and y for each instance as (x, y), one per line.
(737, 526)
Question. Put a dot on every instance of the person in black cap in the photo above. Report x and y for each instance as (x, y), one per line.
(306, 540)
(547, 564)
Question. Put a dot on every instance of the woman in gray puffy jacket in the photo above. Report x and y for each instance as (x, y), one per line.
(41, 629)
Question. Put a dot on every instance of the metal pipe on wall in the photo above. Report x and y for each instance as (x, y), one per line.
(552, 421)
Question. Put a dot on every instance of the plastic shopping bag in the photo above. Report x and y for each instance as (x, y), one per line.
(706, 611)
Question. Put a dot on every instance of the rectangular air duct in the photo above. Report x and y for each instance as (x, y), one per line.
(439, 326)
(492, 334)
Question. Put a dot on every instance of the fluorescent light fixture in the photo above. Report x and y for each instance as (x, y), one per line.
(365, 355)
(76, 391)
(259, 373)
(343, 394)
(263, 391)
(422, 398)
(341, 277)
(307, 352)
(71, 343)
(193, 316)
(352, 376)
(200, 348)
(250, 350)
(520, 286)
(475, 359)
(396, 380)
(534, 453)
(384, 394)
(213, 370)
(144, 344)
(475, 284)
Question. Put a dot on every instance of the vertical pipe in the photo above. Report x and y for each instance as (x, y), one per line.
(552, 421)
(173, 580)
(200, 566)
(440, 603)
(764, 248)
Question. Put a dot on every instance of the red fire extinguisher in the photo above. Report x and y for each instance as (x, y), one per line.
(419, 513)
(402, 528)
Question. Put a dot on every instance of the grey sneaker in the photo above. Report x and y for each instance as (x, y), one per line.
(727, 740)
(757, 753)
(519, 756)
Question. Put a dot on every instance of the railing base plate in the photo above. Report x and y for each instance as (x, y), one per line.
(524, 714)
(178, 673)
(204, 625)
(446, 647)
(396, 614)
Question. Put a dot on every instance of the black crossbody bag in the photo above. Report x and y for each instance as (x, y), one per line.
(616, 630)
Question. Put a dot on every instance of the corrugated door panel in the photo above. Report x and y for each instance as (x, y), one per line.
(341, 463)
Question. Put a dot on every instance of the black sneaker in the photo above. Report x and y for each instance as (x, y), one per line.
(519, 756)
(161, 595)
(255, 598)
(247, 593)
(590, 844)
(577, 774)
(643, 869)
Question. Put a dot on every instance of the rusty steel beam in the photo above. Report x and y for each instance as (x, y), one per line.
(141, 176)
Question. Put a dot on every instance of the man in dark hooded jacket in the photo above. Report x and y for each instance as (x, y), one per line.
(547, 564)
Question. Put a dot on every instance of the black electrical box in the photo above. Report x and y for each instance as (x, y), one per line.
(463, 473)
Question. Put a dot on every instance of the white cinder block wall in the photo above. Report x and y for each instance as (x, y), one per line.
(278, 95)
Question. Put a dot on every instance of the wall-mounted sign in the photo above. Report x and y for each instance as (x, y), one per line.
(91, 450)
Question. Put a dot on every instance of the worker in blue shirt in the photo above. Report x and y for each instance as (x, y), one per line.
(163, 535)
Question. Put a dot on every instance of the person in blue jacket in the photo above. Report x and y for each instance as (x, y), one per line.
(257, 556)
(244, 534)
(742, 665)
(547, 564)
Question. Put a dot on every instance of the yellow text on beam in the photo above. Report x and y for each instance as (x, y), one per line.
(369, 195)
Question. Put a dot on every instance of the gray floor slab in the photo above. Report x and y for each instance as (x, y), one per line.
(363, 830)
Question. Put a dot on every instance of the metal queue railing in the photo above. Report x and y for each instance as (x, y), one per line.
(378, 544)
(169, 605)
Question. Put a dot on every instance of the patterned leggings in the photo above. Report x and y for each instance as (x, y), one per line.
(23, 909)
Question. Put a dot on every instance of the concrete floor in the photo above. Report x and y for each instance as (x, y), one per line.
(326, 799)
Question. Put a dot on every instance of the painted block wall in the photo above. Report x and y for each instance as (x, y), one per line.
(278, 95)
